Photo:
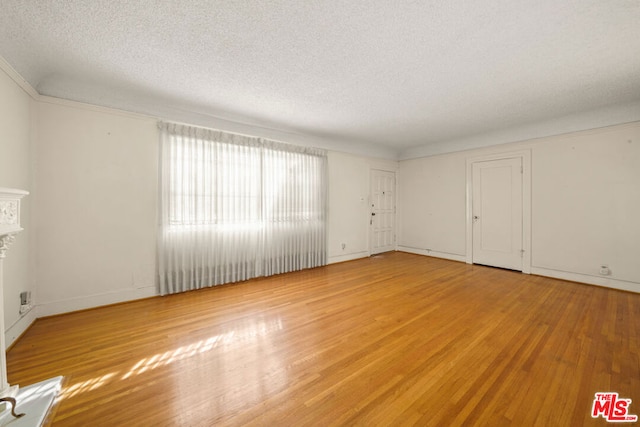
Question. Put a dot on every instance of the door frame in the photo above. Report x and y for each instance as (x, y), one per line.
(525, 157)
(395, 205)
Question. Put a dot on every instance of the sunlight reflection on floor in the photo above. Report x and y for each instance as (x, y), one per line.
(248, 332)
(85, 386)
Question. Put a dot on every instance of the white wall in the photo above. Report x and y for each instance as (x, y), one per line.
(348, 207)
(97, 182)
(97, 196)
(15, 172)
(349, 212)
(431, 196)
(584, 204)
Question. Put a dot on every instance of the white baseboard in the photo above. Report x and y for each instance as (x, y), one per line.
(429, 252)
(348, 257)
(607, 282)
(19, 327)
(91, 301)
(81, 303)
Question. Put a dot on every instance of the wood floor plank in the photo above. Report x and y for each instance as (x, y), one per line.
(395, 339)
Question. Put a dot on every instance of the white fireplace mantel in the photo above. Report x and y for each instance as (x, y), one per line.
(9, 217)
(9, 227)
(35, 400)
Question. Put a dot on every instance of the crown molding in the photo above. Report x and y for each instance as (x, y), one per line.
(586, 121)
(195, 119)
(20, 81)
(46, 99)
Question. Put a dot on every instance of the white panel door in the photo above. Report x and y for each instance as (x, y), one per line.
(383, 211)
(497, 213)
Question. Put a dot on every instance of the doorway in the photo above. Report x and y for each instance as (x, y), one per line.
(383, 211)
(498, 207)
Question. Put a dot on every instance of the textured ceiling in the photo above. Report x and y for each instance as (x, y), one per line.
(390, 74)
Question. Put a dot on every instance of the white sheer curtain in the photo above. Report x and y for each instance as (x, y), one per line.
(236, 207)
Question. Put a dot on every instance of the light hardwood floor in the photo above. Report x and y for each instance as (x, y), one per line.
(396, 339)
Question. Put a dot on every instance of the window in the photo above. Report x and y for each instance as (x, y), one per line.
(235, 207)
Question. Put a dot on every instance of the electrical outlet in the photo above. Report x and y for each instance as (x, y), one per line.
(25, 298)
(25, 308)
(25, 302)
(344, 245)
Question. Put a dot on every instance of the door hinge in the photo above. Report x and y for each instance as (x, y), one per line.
(521, 253)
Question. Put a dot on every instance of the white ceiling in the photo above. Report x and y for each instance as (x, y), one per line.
(385, 75)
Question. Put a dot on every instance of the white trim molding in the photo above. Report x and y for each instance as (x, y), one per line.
(436, 254)
(348, 257)
(20, 81)
(14, 331)
(611, 115)
(587, 279)
(51, 308)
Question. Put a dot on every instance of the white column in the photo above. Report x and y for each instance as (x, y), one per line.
(5, 241)
(9, 227)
